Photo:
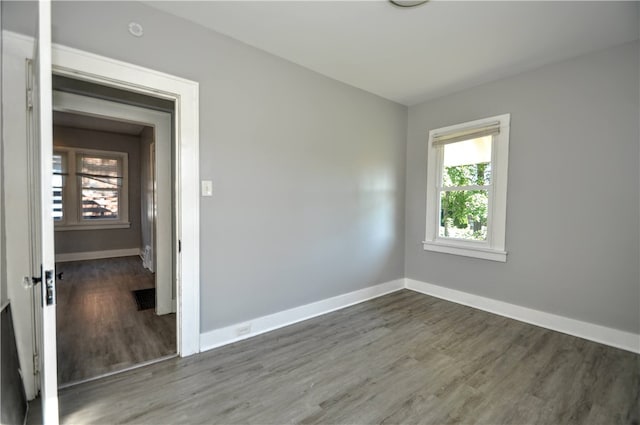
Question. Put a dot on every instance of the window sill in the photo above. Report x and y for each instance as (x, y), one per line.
(91, 226)
(466, 251)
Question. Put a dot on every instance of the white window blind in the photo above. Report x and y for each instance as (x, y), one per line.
(460, 135)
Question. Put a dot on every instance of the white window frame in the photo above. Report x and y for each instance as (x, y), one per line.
(72, 192)
(493, 248)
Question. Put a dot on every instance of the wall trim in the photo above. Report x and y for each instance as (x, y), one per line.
(597, 333)
(247, 329)
(96, 255)
(601, 334)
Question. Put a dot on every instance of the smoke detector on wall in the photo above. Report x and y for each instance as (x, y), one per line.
(135, 29)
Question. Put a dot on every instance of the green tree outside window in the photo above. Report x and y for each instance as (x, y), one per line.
(464, 212)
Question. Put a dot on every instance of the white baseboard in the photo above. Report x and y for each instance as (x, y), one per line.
(597, 333)
(96, 255)
(260, 325)
(602, 334)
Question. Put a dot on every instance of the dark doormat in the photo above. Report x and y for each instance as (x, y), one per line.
(145, 298)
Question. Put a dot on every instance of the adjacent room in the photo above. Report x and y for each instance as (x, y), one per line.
(108, 318)
(111, 316)
(341, 212)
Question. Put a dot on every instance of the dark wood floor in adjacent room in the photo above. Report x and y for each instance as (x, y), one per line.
(402, 358)
(100, 329)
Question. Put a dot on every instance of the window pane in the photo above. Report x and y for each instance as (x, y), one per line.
(467, 175)
(57, 183)
(100, 173)
(467, 163)
(99, 203)
(463, 214)
(100, 182)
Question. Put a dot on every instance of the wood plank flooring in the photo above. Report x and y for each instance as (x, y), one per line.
(99, 327)
(402, 358)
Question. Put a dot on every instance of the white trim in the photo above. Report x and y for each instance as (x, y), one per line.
(117, 372)
(601, 334)
(97, 255)
(466, 251)
(494, 246)
(590, 331)
(90, 226)
(41, 118)
(162, 209)
(230, 334)
(81, 65)
(17, 202)
(106, 71)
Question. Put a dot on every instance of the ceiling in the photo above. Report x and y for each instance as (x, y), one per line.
(88, 122)
(410, 55)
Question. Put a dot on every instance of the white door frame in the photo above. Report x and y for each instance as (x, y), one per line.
(161, 122)
(86, 66)
(81, 65)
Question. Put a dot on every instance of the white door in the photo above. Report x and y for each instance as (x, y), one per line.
(41, 211)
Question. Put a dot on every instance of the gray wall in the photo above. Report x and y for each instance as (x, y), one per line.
(100, 240)
(308, 173)
(572, 214)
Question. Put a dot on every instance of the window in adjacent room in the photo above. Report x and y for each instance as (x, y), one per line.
(90, 189)
(59, 168)
(467, 188)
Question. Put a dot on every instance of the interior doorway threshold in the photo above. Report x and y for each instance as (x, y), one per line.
(117, 372)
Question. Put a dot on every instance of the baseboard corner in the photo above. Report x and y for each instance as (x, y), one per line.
(597, 333)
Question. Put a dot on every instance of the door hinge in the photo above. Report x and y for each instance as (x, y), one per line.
(36, 364)
(179, 246)
(29, 99)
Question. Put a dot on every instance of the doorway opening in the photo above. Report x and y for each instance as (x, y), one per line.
(35, 337)
(113, 191)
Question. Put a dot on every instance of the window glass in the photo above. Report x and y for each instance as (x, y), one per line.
(464, 195)
(100, 183)
(58, 185)
(463, 214)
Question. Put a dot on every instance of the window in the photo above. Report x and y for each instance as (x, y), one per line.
(90, 189)
(467, 188)
(58, 185)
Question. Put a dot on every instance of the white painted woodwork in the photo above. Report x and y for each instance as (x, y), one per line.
(494, 247)
(161, 122)
(77, 64)
(602, 334)
(260, 325)
(96, 255)
(41, 140)
(90, 67)
(248, 329)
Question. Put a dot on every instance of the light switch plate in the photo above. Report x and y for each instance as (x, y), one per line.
(207, 188)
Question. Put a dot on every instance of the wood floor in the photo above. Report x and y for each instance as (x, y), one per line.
(402, 358)
(99, 327)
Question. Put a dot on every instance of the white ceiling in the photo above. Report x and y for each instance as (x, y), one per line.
(411, 55)
(88, 122)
